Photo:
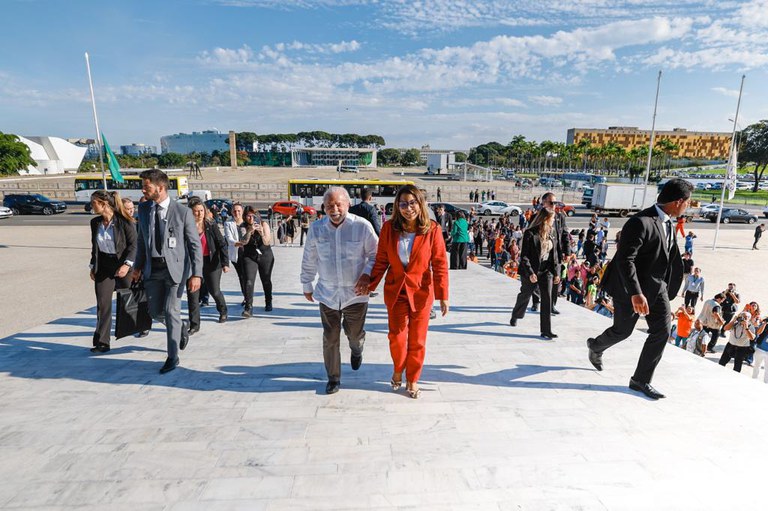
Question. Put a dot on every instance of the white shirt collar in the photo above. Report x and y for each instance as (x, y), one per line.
(164, 204)
(664, 217)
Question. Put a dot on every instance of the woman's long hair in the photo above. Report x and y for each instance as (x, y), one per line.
(423, 223)
(113, 200)
(197, 201)
(540, 222)
(249, 228)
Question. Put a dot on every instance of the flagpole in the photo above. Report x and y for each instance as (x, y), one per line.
(730, 161)
(96, 121)
(650, 144)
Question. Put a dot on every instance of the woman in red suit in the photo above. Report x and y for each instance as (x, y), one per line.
(412, 254)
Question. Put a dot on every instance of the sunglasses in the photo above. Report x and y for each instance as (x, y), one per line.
(406, 204)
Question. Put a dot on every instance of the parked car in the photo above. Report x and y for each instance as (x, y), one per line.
(703, 186)
(22, 204)
(451, 209)
(289, 207)
(561, 207)
(493, 207)
(512, 211)
(705, 209)
(5, 212)
(733, 215)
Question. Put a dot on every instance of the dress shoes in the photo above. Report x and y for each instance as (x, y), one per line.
(512, 321)
(223, 317)
(247, 313)
(184, 335)
(646, 389)
(548, 336)
(268, 308)
(555, 311)
(170, 365)
(594, 357)
(100, 348)
(193, 330)
(332, 387)
(141, 334)
(356, 361)
(534, 308)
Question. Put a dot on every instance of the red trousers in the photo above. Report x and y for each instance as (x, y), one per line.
(408, 338)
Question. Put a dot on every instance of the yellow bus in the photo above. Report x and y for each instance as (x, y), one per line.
(310, 191)
(130, 188)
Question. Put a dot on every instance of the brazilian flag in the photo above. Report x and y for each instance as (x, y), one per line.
(114, 167)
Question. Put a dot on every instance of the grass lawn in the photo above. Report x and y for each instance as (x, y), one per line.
(742, 197)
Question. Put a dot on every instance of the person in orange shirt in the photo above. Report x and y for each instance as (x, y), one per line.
(412, 254)
(681, 225)
(685, 317)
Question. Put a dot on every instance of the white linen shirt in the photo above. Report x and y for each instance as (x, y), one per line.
(337, 256)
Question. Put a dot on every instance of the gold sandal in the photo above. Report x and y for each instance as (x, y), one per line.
(396, 384)
(414, 394)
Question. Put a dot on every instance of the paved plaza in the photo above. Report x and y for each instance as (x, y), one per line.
(506, 420)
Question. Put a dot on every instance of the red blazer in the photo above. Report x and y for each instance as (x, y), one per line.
(427, 273)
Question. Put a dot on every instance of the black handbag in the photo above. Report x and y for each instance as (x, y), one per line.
(132, 314)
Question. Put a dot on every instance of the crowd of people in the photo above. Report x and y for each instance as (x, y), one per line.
(172, 249)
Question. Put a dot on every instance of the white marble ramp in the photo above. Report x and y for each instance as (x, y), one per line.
(506, 421)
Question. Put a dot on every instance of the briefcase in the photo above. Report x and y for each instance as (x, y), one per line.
(132, 314)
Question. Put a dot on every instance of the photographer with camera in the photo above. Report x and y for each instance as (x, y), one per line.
(738, 347)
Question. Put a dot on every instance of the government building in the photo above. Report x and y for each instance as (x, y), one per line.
(195, 142)
(706, 145)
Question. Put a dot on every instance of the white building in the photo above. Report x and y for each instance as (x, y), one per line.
(53, 155)
(195, 142)
(331, 156)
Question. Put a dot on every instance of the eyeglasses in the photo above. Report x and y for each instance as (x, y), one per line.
(405, 204)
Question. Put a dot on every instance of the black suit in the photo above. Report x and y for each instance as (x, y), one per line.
(561, 230)
(213, 263)
(643, 264)
(104, 267)
(368, 211)
(531, 263)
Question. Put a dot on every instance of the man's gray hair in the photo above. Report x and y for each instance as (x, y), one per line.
(334, 190)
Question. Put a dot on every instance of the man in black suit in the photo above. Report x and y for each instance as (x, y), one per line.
(549, 201)
(367, 210)
(643, 276)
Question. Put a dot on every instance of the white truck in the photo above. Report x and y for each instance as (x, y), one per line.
(622, 199)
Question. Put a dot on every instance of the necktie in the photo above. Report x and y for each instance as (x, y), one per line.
(159, 231)
(669, 234)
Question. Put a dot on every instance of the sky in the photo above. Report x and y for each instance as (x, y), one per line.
(449, 73)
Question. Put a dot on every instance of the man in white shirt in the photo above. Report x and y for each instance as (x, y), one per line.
(339, 249)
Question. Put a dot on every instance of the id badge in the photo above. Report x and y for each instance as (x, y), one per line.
(171, 242)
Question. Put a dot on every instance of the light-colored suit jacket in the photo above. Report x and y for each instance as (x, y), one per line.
(185, 259)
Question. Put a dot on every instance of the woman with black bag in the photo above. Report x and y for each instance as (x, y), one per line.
(256, 240)
(113, 250)
(215, 261)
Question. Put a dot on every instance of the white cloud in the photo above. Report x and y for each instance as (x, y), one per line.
(731, 93)
(546, 100)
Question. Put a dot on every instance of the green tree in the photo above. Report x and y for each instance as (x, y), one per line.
(754, 147)
(15, 155)
(388, 157)
(171, 160)
(460, 157)
(411, 157)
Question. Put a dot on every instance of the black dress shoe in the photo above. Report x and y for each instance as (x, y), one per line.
(512, 321)
(549, 335)
(223, 317)
(332, 387)
(268, 308)
(170, 365)
(356, 361)
(143, 333)
(184, 335)
(555, 311)
(100, 348)
(646, 389)
(594, 357)
(534, 308)
(193, 330)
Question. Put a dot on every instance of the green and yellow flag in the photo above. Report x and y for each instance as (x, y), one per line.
(114, 167)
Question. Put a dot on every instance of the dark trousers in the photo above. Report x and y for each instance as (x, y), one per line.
(105, 286)
(624, 320)
(714, 335)
(537, 296)
(479, 246)
(544, 285)
(458, 256)
(304, 231)
(691, 299)
(240, 270)
(737, 353)
(352, 319)
(212, 279)
(263, 267)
